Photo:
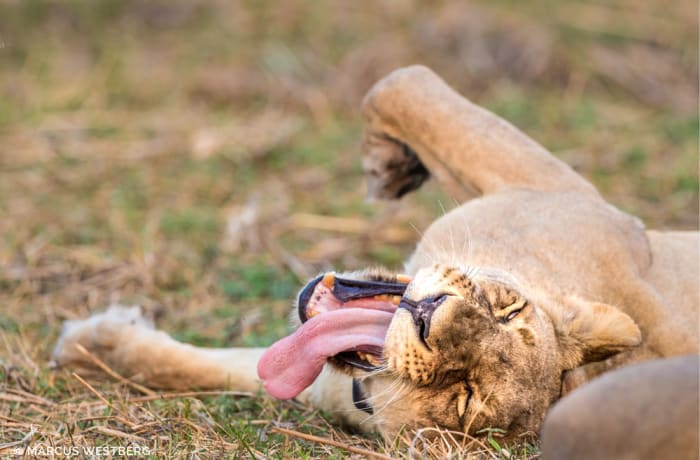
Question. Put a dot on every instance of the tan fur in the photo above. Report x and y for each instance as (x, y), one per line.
(648, 410)
(601, 291)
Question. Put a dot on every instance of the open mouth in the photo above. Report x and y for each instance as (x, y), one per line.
(329, 292)
(344, 321)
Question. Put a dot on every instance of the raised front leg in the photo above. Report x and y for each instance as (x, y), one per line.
(416, 122)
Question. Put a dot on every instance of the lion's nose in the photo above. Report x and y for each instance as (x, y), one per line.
(422, 311)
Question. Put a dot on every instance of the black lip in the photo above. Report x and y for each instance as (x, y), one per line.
(345, 289)
(352, 359)
(305, 296)
(348, 289)
(359, 397)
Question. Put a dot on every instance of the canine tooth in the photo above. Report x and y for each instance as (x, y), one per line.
(328, 280)
(396, 299)
(462, 404)
(310, 313)
(401, 278)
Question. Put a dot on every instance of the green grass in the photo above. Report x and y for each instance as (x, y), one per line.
(132, 135)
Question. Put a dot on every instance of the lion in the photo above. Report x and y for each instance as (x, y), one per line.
(530, 288)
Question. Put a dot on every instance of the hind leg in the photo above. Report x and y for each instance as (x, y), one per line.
(648, 410)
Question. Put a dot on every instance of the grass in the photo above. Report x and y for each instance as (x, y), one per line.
(171, 154)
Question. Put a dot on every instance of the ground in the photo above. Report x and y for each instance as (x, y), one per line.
(201, 159)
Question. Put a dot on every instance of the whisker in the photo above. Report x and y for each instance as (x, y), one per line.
(467, 240)
(413, 226)
(377, 372)
(450, 235)
(370, 399)
(430, 248)
(477, 270)
(389, 388)
(423, 241)
(397, 394)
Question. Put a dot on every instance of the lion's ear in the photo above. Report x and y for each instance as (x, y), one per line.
(590, 331)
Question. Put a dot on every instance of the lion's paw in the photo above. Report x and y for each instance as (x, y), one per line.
(100, 334)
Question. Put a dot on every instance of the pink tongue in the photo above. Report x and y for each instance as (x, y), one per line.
(293, 363)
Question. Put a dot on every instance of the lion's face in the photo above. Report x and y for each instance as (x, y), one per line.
(472, 352)
(458, 349)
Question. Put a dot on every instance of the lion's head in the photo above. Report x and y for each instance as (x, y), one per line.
(460, 349)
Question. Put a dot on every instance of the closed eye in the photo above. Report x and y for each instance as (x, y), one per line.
(511, 311)
(513, 314)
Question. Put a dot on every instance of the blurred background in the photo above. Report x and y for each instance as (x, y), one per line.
(201, 158)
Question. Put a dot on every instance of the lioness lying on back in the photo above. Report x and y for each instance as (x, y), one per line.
(517, 296)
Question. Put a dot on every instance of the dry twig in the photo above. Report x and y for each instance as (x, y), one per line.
(331, 442)
(107, 370)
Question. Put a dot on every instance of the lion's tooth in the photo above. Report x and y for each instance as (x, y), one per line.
(462, 404)
(310, 313)
(328, 280)
(396, 299)
(401, 278)
(368, 358)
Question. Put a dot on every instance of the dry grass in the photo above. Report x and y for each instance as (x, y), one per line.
(201, 159)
